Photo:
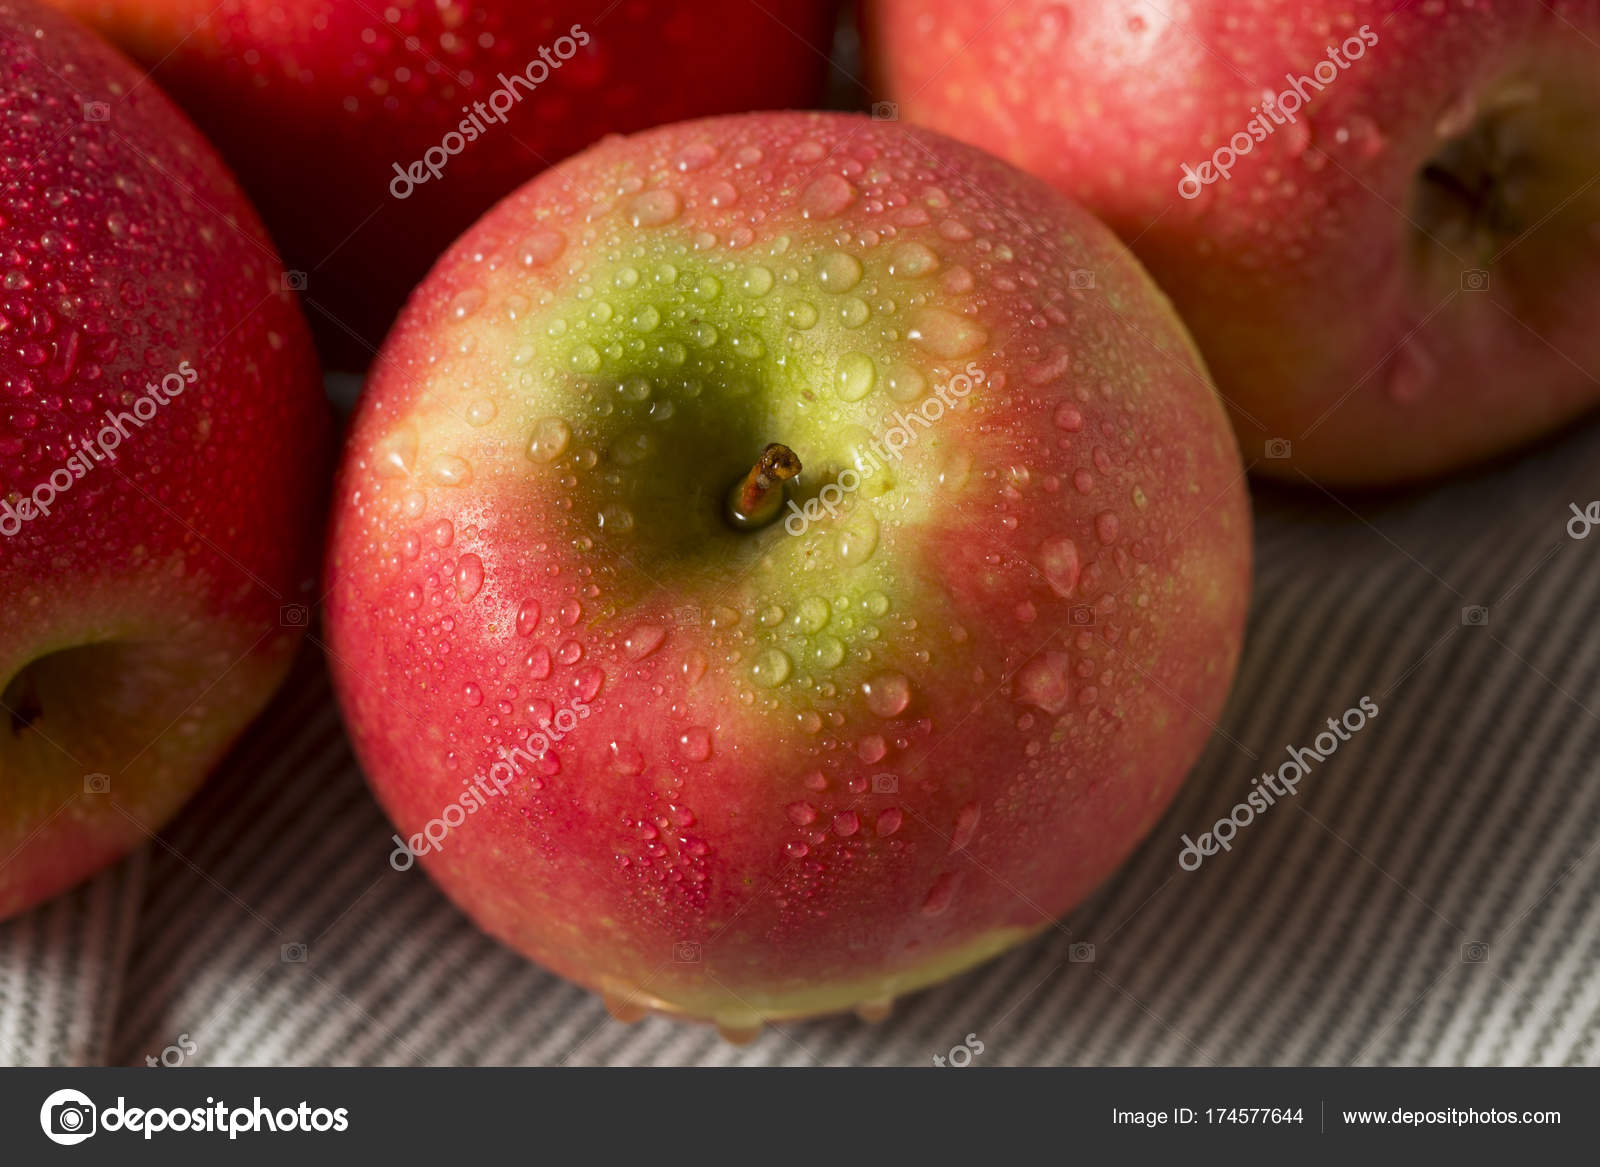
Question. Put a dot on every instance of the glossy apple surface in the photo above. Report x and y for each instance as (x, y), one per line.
(1397, 281)
(795, 769)
(315, 102)
(143, 574)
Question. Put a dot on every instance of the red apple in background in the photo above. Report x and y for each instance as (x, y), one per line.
(760, 771)
(163, 450)
(1396, 276)
(316, 103)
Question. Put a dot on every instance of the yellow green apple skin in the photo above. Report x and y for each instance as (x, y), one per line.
(782, 771)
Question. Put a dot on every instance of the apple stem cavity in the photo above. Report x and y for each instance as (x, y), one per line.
(756, 498)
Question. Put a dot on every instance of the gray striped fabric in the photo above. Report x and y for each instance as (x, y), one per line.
(1431, 896)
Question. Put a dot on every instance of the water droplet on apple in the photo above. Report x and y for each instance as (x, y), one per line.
(643, 640)
(913, 260)
(444, 533)
(800, 314)
(538, 662)
(941, 894)
(549, 441)
(889, 822)
(801, 814)
(542, 245)
(1068, 417)
(854, 376)
(871, 749)
(654, 207)
(450, 470)
(811, 614)
(585, 358)
(1043, 682)
(771, 668)
(946, 334)
(469, 577)
(473, 694)
(695, 156)
(1058, 558)
(396, 452)
(757, 281)
(846, 824)
(481, 412)
(695, 742)
(826, 197)
(1106, 526)
(827, 652)
(857, 539)
(887, 694)
(527, 617)
(722, 194)
(966, 826)
(838, 272)
(796, 850)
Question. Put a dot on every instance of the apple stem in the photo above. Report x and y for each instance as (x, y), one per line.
(756, 498)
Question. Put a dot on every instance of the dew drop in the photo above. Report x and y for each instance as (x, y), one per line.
(654, 207)
(826, 197)
(839, 272)
(1058, 558)
(541, 246)
(527, 617)
(941, 894)
(469, 577)
(549, 441)
(854, 376)
(945, 334)
(771, 668)
(887, 694)
(643, 640)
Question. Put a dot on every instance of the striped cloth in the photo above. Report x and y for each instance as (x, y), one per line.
(1431, 895)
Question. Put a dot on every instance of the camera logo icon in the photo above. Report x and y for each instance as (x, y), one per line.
(1475, 616)
(1278, 448)
(686, 952)
(1474, 952)
(885, 111)
(97, 783)
(67, 1117)
(293, 953)
(96, 111)
(294, 281)
(1081, 953)
(1080, 279)
(1081, 616)
(294, 615)
(1474, 279)
(885, 784)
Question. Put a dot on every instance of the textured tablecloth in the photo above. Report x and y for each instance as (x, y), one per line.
(1430, 896)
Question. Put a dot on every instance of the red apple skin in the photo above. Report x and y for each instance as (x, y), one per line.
(1327, 316)
(130, 252)
(710, 795)
(313, 102)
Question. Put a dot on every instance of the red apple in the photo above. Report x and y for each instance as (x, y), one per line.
(162, 448)
(1397, 274)
(371, 135)
(893, 722)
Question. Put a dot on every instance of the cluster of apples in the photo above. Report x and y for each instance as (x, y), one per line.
(778, 559)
